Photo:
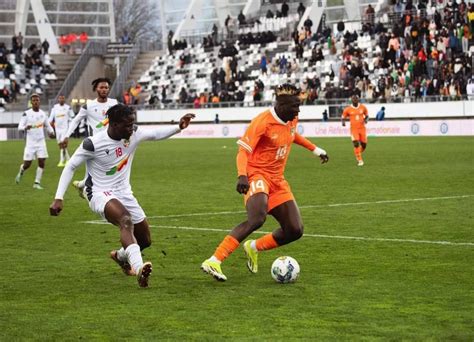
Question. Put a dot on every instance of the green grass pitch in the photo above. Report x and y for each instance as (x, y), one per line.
(388, 252)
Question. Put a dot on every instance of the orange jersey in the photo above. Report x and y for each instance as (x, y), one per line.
(268, 140)
(357, 115)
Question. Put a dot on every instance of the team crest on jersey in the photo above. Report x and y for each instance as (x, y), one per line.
(292, 130)
(106, 151)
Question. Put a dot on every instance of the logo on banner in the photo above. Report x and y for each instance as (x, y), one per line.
(300, 129)
(225, 131)
(444, 128)
(415, 128)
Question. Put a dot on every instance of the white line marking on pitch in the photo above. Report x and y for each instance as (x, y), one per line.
(320, 206)
(357, 238)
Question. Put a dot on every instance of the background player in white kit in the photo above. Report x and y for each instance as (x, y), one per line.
(33, 122)
(60, 117)
(109, 155)
(94, 111)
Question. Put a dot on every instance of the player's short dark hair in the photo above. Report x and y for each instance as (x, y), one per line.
(119, 112)
(96, 82)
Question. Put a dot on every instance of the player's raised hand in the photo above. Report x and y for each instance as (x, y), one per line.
(56, 207)
(243, 185)
(185, 120)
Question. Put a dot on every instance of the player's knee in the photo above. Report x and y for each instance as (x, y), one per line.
(295, 232)
(126, 222)
(356, 143)
(257, 222)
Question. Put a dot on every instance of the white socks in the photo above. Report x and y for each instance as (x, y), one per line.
(22, 171)
(253, 244)
(134, 256)
(121, 254)
(214, 259)
(39, 174)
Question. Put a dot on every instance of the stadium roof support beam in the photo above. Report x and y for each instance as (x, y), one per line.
(314, 12)
(193, 11)
(352, 10)
(45, 30)
(21, 16)
(252, 6)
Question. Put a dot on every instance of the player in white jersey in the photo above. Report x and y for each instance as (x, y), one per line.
(32, 123)
(108, 156)
(94, 111)
(60, 117)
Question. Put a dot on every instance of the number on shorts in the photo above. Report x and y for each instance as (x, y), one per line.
(258, 184)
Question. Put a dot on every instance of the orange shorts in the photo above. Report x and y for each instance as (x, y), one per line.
(359, 134)
(277, 189)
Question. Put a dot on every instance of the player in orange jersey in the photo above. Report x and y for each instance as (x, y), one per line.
(359, 116)
(261, 161)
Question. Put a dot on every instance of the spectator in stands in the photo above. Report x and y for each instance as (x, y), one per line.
(170, 42)
(263, 64)
(241, 19)
(308, 24)
(125, 38)
(269, 14)
(63, 43)
(380, 116)
(325, 116)
(127, 99)
(284, 9)
(45, 46)
(83, 39)
(216, 119)
(5, 94)
(370, 14)
(301, 9)
(214, 34)
(183, 95)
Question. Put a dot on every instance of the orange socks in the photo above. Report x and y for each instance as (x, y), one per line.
(358, 152)
(266, 242)
(226, 247)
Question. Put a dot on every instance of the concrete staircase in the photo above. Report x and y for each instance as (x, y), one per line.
(64, 65)
(142, 63)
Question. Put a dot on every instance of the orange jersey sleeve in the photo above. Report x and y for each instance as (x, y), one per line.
(302, 141)
(242, 159)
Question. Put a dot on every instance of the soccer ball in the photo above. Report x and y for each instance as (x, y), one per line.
(285, 269)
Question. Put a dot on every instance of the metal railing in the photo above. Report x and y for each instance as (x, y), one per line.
(92, 49)
(125, 70)
(328, 102)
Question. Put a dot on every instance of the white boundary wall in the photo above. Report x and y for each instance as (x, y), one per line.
(461, 127)
(393, 128)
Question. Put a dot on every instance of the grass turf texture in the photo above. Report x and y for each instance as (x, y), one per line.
(59, 283)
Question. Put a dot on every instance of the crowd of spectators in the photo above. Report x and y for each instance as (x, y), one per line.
(24, 69)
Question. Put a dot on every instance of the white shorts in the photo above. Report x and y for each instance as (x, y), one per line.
(98, 200)
(35, 151)
(60, 135)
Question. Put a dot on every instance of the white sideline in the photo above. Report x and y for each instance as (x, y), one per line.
(356, 238)
(320, 206)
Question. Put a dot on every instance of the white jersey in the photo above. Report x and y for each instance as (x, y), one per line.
(94, 111)
(38, 121)
(61, 116)
(108, 161)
